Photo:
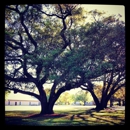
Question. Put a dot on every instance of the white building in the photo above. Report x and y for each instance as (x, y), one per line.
(21, 100)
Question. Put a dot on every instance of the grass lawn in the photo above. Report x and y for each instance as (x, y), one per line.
(66, 118)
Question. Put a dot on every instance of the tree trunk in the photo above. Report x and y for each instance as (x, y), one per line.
(111, 102)
(119, 102)
(103, 103)
(123, 103)
(108, 98)
(46, 108)
(100, 105)
(84, 103)
(95, 100)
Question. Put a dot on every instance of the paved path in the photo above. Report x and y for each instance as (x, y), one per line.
(119, 107)
(56, 107)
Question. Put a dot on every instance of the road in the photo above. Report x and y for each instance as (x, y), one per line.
(56, 107)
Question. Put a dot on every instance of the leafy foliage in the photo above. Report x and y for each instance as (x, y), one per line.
(44, 43)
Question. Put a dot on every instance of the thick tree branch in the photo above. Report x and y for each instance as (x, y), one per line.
(44, 12)
(109, 84)
(12, 46)
(25, 70)
(14, 60)
(43, 80)
(113, 90)
(14, 9)
(20, 45)
(27, 32)
(21, 79)
(23, 92)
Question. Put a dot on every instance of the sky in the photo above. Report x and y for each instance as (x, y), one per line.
(109, 9)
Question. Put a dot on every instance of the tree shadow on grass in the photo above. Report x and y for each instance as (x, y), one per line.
(73, 118)
(46, 115)
(105, 120)
(13, 121)
(90, 114)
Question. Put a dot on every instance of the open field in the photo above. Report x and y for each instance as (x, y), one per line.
(56, 107)
(69, 116)
(38, 108)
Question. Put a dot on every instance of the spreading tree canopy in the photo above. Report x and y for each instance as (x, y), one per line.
(108, 40)
(45, 44)
(35, 37)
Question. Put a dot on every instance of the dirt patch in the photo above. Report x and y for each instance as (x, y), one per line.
(54, 115)
(46, 115)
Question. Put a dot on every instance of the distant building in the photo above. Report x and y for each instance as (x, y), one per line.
(14, 102)
(21, 100)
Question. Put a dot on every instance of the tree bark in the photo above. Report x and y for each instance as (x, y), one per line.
(123, 103)
(100, 105)
(46, 108)
(97, 103)
(119, 102)
(111, 102)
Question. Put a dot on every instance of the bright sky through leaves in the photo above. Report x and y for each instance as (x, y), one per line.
(109, 9)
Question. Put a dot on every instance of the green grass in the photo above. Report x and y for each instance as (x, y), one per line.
(66, 118)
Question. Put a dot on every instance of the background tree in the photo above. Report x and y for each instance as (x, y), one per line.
(98, 55)
(47, 91)
(6, 94)
(81, 96)
(65, 98)
(120, 96)
(111, 33)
